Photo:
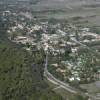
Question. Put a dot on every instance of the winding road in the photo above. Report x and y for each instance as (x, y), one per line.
(61, 84)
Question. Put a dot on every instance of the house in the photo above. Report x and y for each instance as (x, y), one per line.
(55, 65)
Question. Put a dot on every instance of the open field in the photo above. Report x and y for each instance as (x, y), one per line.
(93, 88)
(88, 10)
(65, 9)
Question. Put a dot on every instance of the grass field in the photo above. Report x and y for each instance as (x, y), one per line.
(65, 9)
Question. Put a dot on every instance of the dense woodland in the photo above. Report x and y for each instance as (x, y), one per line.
(21, 75)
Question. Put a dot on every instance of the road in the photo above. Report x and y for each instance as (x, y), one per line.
(89, 48)
(48, 75)
(66, 86)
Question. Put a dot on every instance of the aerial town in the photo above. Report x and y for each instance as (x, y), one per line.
(73, 51)
(49, 49)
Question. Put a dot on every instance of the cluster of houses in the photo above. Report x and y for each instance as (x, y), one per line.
(60, 43)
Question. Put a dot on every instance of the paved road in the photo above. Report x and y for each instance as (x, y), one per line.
(58, 82)
(66, 86)
(89, 48)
